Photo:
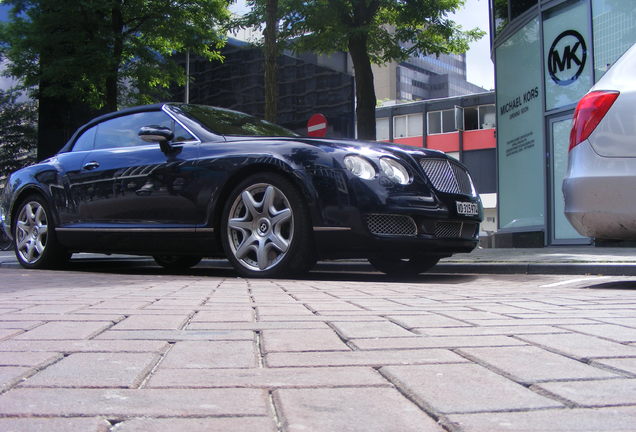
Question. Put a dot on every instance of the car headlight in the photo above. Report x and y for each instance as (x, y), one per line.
(360, 167)
(395, 171)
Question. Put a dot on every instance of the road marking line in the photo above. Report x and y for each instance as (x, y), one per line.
(571, 281)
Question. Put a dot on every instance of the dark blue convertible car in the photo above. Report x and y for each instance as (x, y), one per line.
(181, 182)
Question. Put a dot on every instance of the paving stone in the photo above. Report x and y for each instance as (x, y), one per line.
(607, 331)
(580, 346)
(433, 342)
(595, 393)
(11, 375)
(529, 364)
(244, 315)
(54, 425)
(211, 354)
(53, 308)
(136, 403)
(627, 364)
(454, 388)
(487, 331)
(152, 322)
(302, 340)
(20, 325)
(123, 370)
(235, 424)
(362, 358)
(350, 330)
(267, 377)
(256, 326)
(33, 359)
(72, 346)
(9, 333)
(65, 330)
(616, 419)
(412, 321)
(62, 317)
(351, 410)
(175, 335)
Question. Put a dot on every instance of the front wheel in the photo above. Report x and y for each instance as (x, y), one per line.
(266, 228)
(403, 266)
(35, 244)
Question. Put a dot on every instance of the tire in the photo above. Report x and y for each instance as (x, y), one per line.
(266, 228)
(35, 242)
(395, 266)
(177, 262)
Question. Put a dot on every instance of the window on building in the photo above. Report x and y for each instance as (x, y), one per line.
(414, 125)
(399, 127)
(448, 121)
(434, 122)
(471, 118)
(382, 129)
(487, 117)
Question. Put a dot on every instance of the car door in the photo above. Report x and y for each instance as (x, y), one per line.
(133, 183)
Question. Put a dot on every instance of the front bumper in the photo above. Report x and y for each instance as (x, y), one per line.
(359, 218)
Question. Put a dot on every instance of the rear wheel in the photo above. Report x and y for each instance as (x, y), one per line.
(266, 228)
(36, 244)
(177, 262)
(403, 266)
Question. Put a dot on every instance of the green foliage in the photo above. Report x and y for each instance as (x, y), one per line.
(395, 29)
(96, 51)
(18, 133)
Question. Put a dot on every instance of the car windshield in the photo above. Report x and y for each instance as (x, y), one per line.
(227, 122)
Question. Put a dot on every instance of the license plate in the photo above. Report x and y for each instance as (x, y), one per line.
(467, 208)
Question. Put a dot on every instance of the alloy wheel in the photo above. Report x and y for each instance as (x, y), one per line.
(260, 227)
(31, 232)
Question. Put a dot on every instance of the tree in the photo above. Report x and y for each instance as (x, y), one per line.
(373, 31)
(18, 133)
(106, 53)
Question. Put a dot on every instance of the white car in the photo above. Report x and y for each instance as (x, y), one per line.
(600, 185)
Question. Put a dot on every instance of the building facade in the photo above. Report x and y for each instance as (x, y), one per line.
(548, 54)
(307, 85)
(424, 77)
(462, 126)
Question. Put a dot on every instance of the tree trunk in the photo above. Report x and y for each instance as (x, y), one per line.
(271, 56)
(365, 92)
(112, 79)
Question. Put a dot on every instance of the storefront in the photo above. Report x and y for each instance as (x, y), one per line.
(547, 56)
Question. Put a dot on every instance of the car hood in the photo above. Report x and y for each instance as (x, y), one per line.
(369, 148)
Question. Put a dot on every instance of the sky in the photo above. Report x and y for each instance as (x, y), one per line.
(480, 69)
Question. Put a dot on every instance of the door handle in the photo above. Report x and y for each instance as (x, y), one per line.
(91, 165)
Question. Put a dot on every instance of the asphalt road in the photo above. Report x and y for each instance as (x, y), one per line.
(121, 345)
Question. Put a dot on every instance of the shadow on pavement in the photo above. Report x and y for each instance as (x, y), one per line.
(615, 285)
(221, 268)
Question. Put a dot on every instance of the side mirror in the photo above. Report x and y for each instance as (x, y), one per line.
(157, 134)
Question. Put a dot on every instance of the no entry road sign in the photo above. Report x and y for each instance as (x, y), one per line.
(317, 125)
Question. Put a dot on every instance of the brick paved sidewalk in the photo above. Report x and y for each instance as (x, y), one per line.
(97, 351)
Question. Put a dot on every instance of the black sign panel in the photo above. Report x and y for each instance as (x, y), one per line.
(567, 57)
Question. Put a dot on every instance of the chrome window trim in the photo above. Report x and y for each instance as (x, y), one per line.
(196, 140)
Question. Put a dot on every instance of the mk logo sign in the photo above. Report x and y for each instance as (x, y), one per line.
(567, 57)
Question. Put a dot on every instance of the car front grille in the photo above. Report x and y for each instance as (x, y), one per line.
(393, 225)
(447, 176)
(456, 230)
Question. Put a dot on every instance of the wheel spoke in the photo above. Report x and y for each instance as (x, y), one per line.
(22, 242)
(281, 217)
(268, 200)
(39, 246)
(30, 249)
(279, 242)
(240, 225)
(40, 216)
(262, 255)
(246, 247)
(23, 226)
(250, 204)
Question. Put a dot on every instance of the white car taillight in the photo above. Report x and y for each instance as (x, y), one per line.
(588, 114)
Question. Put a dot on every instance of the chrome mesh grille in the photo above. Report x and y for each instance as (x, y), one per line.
(380, 224)
(456, 230)
(447, 176)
